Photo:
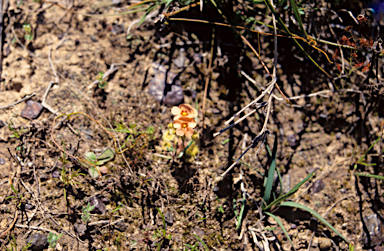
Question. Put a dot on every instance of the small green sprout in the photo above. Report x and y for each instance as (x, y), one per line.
(86, 217)
(102, 84)
(28, 32)
(52, 239)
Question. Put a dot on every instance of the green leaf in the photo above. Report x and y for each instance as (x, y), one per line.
(202, 242)
(316, 215)
(298, 18)
(272, 9)
(105, 156)
(93, 172)
(290, 193)
(271, 173)
(91, 156)
(281, 226)
(370, 175)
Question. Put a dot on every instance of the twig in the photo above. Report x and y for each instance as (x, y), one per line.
(10, 226)
(44, 103)
(105, 222)
(18, 102)
(208, 76)
(36, 228)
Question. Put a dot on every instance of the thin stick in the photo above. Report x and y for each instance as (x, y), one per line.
(208, 77)
(36, 228)
(3, 234)
(18, 102)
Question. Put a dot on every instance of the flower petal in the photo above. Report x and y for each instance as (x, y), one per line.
(177, 125)
(179, 132)
(188, 132)
(192, 124)
(175, 110)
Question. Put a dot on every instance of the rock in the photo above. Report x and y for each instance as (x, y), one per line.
(317, 186)
(56, 174)
(38, 241)
(99, 205)
(375, 229)
(80, 228)
(292, 140)
(121, 226)
(168, 218)
(2, 161)
(117, 29)
(165, 91)
(324, 243)
(2, 124)
(32, 110)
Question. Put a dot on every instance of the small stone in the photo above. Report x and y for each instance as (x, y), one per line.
(99, 205)
(292, 140)
(375, 229)
(168, 218)
(117, 29)
(38, 241)
(29, 206)
(2, 124)
(165, 90)
(317, 186)
(94, 39)
(80, 228)
(32, 110)
(2, 161)
(324, 243)
(56, 174)
(121, 226)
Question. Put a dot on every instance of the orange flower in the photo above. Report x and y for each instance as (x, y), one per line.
(184, 110)
(184, 126)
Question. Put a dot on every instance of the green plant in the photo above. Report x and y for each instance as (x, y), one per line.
(195, 247)
(97, 161)
(28, 32)
(161, 234)
(52, 239)
(268, 205)
(86, 217)
(16, 132)
(102, 83)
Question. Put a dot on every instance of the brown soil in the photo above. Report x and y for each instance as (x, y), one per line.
(320, 134)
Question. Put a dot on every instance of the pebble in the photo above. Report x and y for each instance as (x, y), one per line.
(2, 161)
(56, 174)
(38, 241)
(168, 218)
(317, 186)
(32, 110)
(80, 228)
(2, 124)
(121, 226)
(292, 140)
(324, 243)
(158, 86)
(375, 228)
(100, 206)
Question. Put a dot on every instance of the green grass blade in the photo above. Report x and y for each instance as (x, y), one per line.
(240, 218)
(293, 39)
(370, 175)
(202, 242)
(365, 154)
(271, 173)
(316, 215)
(290, 193)
(281, 226)
(298, 18)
